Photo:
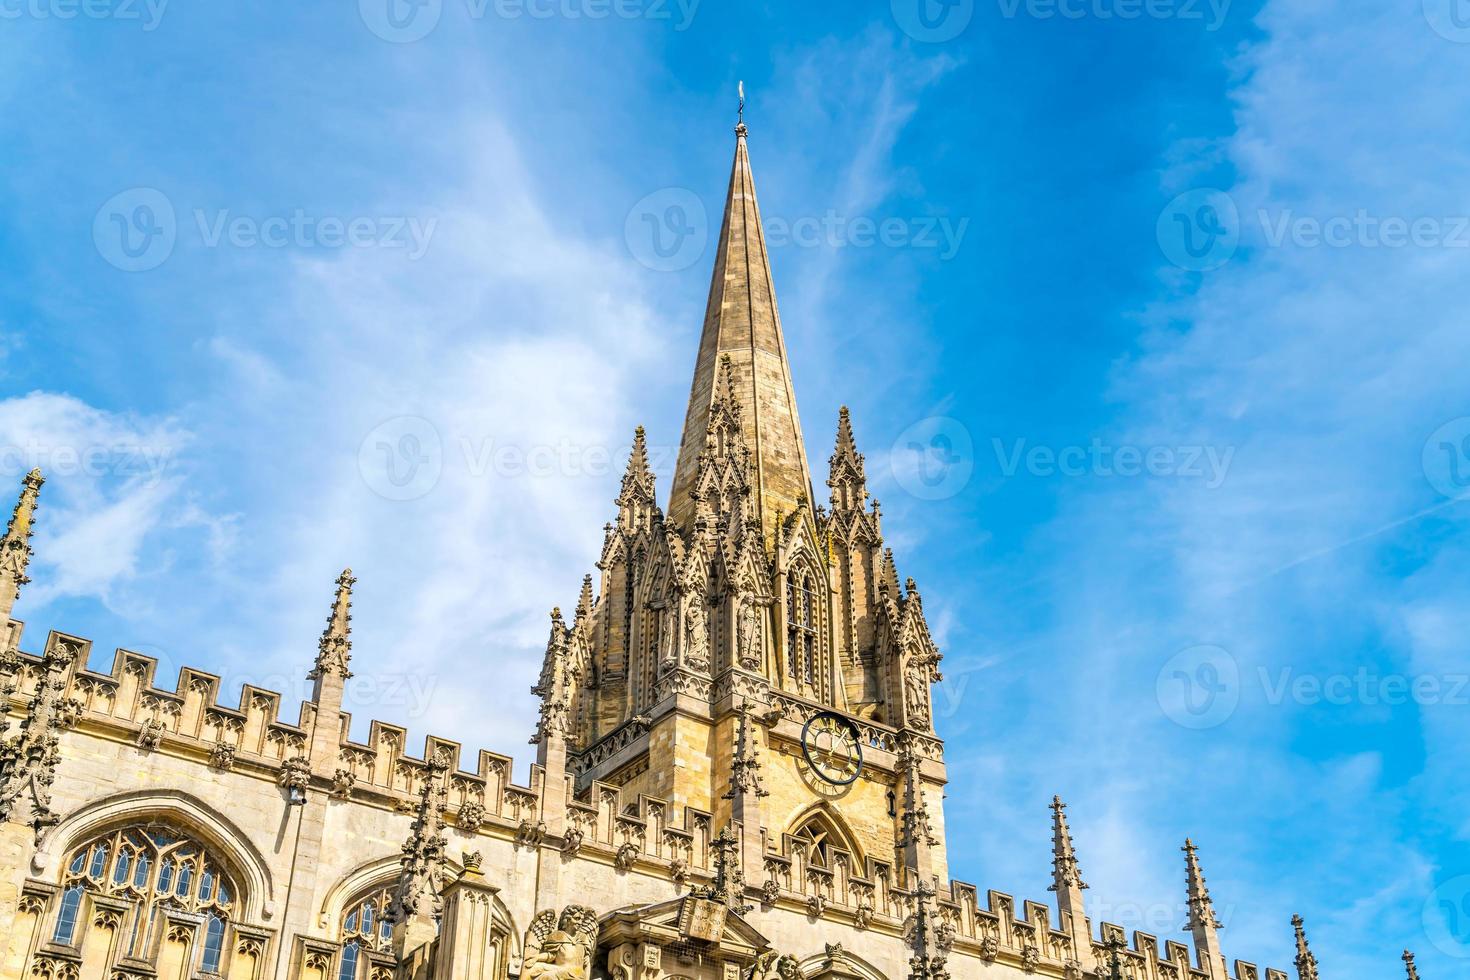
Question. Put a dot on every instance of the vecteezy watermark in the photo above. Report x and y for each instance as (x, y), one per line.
(1155, 918)
(1098, 459)
(1199, 687)
(1199, 230)
(1446, 458)
(406, 21)
(137, 230)
(130, 461)
(667, 230)
(1450, 19)
(832, 230)
(147, 13)
(934, 458)
(1211, 12)
(1446, 917)
(932, 21)
(402, 458)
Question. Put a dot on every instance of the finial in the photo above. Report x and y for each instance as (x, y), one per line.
(1065, 872)
(15, 546)
(334, 651)
(1201, 908)
(1306, 963)
(740, 122)
(1409, 965)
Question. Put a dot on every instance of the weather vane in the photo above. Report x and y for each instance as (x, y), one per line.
(741, 120)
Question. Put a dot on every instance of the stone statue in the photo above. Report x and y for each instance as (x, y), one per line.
(917, 679)
(747, 633)
(560, 948)
(696, 635)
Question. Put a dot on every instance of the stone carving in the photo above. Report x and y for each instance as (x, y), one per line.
(696, 634)
(28, 759)
(530, 833)
(747, 632)
(816, 905)
(571, 841)
(770, 891)
(295, 775)
(471, 817)
(862, 916)
(222, 757)
(667, 658)
(771, 965)
(627, 855)
(343, 782)
(423, 866)
(560, 947)
(679, 871)
(918, 677)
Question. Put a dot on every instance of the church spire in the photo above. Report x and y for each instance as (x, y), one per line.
(1306, 963)
(1409, 966)
(15, 547)
(742, 346)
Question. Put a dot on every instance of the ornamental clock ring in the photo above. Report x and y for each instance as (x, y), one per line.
(833, 748)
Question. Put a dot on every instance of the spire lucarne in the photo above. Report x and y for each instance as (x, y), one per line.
(743, 328)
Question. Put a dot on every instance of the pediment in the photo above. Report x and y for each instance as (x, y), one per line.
(688, 918)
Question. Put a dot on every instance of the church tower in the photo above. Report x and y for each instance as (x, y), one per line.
(749, 653)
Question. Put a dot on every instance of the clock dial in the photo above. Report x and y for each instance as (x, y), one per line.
(833, 748)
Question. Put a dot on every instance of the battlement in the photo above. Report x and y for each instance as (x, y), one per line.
(644, 834)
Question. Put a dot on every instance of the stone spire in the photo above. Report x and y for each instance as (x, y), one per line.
(417, 902)
(1413, 971)
(929, 939)
(1306, 963)
(15, 547)
(916, 837)
(334, 651)
(743, 328)
(848, 479)
(1068, 884)
(1203, 924)
(636, 501)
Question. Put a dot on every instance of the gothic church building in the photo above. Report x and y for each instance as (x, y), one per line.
(737, 775)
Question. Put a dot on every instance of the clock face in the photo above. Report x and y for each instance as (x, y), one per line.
(833, 748)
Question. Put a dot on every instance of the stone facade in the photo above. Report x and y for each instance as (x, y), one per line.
(737, 774)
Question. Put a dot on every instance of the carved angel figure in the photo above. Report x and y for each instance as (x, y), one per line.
(560, 948)
(917, 680)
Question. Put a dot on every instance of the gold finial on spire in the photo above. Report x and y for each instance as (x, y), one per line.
(740, 121)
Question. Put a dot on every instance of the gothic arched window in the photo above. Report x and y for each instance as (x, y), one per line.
(822, 834)
(801, 631)
(155, 870)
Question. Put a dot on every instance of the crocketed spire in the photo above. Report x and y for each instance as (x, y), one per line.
(15, 547)
(334, 652)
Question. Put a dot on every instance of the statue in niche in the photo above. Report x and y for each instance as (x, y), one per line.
(747, 632)
(918, 677)
(560, 947)
(696, 635)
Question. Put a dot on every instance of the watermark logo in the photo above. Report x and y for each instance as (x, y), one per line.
(401, 21)
(1446, 458)
(1199, 687)
(1099, 460)
(938, 233)
(934, 458)
(402, 458)
(136, 230)
(1211, 12)
(667, 230)
(933, 21)
(1447, 917)
(148, 13)
(1450, 19)
(1199, 230)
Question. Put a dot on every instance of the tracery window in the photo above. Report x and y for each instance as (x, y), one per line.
(818, 837)
(155, 870)
(801, 629)
(365, 928)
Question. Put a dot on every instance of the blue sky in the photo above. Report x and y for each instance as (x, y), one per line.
(1170, 428)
